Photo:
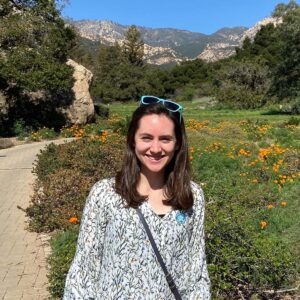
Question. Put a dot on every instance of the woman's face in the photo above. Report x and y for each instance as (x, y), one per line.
(155, 143)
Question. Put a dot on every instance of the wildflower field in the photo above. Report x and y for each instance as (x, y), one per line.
(248, 164)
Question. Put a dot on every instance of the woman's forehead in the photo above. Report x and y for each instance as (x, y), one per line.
(156, 122)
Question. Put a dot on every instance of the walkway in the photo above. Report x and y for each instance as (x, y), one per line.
(23, 266)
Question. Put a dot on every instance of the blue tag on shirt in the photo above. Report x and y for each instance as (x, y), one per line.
(180, 217)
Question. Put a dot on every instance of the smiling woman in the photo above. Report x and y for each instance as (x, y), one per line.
(155, 143)
(151, 197)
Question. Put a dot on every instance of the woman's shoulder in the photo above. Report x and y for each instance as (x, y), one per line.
(196, 187)
(104, 190)
(197, 192)
(104, 185)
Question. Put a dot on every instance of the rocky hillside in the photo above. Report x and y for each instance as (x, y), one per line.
(216, 51)
(170, 46)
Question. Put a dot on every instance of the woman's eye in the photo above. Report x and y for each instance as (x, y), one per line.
(146, 138)
(166, 140)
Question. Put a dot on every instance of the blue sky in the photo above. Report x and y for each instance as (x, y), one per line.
(193, 15)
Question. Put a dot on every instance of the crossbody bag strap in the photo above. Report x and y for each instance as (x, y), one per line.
(169, 278)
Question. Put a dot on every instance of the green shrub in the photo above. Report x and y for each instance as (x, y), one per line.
(102, 110)
(293, 107)
(43, 134)
(21, 130)
(293, 121)
(65, 175)
(63, 247)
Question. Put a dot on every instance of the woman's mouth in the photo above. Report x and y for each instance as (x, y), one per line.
(154, 158)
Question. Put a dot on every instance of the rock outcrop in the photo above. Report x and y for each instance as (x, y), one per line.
(251, 32)
(81, 111)
(217, 51)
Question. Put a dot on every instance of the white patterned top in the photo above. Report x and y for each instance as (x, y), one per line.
(115, 260)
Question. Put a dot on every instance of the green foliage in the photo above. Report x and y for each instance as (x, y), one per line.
(242, 85)
(34, 45)
(102, 110)
(285, 83)
(20, 130)
(66, 174)
(133, 46)
(43, 134)
(281, 9)
(63, 247)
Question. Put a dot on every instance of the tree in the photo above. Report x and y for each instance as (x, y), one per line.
(286, 83)
(34, 46)
(281, 9)
(133, 46)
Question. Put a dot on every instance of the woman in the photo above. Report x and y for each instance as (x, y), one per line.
(114, 258)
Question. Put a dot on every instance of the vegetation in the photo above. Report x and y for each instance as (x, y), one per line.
(248, 166)
(34, 45)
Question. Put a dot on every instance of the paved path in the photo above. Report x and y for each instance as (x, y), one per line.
(23, 266)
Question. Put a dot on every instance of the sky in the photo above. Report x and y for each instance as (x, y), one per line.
(194, 15)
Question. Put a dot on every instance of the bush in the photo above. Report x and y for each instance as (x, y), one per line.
(63, 247)
(21, 130)
(65, 175)
(102, 111)
(240, 97)
(293, 107)
(43, 134)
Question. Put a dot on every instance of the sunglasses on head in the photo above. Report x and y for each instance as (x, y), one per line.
(169, 105)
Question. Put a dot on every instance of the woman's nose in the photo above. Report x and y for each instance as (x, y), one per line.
(155, 146)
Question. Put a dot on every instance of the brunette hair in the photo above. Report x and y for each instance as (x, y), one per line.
(177, 174)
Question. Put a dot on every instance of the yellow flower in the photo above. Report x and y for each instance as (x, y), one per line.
(283, 203)
(263, 224)
(270, 206)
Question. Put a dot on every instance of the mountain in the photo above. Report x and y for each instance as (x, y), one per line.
(217, 51)
(165, 46)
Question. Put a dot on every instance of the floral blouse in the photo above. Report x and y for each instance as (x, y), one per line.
(115, 260)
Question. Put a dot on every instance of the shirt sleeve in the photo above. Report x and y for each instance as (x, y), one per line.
(196, 274)
(83, 276)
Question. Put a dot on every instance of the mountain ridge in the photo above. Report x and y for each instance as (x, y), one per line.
(171, 45)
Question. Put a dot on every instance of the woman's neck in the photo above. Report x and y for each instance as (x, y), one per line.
(151, 182)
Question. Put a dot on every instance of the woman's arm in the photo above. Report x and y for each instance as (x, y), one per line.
(197, 283)
(83, 276)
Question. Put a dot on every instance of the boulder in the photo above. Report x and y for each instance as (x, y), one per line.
(81, 111)
(6, 143)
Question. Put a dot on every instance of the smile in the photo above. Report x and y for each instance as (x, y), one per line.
(154, 158)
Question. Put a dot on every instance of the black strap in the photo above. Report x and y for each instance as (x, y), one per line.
(169, 278)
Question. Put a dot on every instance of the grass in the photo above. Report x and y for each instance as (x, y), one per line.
(191, 110)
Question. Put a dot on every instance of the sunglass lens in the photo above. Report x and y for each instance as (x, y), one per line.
(171, 106)
(149, 100)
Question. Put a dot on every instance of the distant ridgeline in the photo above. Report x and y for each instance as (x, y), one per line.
(170, 46)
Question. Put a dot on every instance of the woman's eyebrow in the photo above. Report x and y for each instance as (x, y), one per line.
(169, 136)
(145, 134)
